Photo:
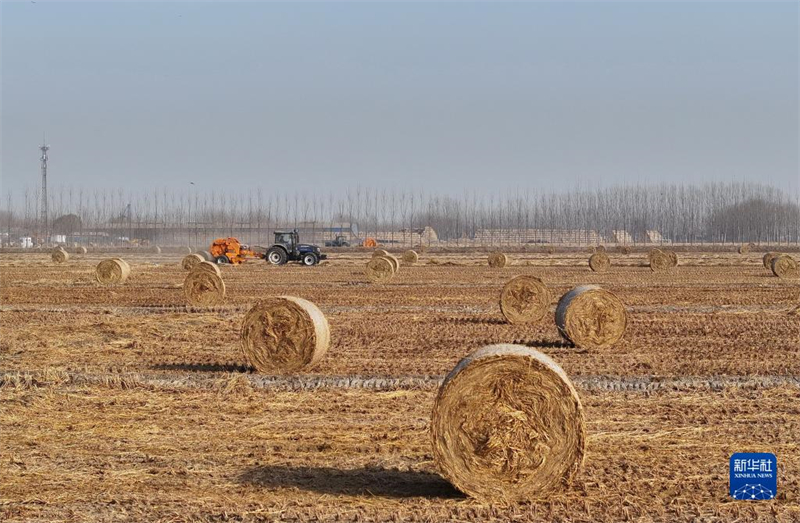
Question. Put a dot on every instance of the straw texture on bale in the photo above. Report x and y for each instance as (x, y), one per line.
(59, 255)
(203, 288)
(659, 260)
(380, 252)
(784, 266)
(410, 256)
(208, 266)
(497, 260)
(394, 261)
(524, 299)
(673, 258)
(190, 260)
(591, 317)
(81, 250)
(744, 249)
(599, 261)
(508, 425)
(767, 259)
(379, 269)
(112, 271)
(284, 334)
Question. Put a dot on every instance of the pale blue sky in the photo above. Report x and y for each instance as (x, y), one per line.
(446, 96)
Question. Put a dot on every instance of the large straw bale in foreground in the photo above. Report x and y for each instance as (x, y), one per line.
(284, 334)
(112, 271)
(497, 260)
(204, 287)
(599, 261)
(59, 255)
(379, 269)
(508, 425)
(591, 317)
(524, 299)
(208, 266)
(190, 261)
(767, 259)
(784, 266)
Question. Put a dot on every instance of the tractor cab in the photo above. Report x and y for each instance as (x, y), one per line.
(287, 247)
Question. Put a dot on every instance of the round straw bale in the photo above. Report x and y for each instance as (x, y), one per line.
(591, 317)
(206, 256)
(203, 288)
(744, 248)
(524, 299)
(784, 266)
(81, 250)
(497, 260)
(767, 259)
(508, 425)
(379, 269)
(410, 256)
(112, 271)
(190, 260)
(600, 248)
(59, 255)
(659, 260)
(208, 266)
(673, 258)
(155, 249)
(599, 261)
(623, 249)
(187, 249)
(394, 261)
(284, 334)
(379, 252)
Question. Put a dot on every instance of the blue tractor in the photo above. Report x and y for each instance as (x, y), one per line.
(287, 247)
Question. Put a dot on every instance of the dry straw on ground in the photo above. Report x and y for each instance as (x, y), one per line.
(410, 257)
(524, 299)
(59, 255)
(659, 260)
(190, 261)
(599, 262)
(379, 269)
(784, 266)
(591, 317)
(508, 425)
(112, 271)
(497, 260)
(284, 334)
(204, 287)
(81, 250)
(767, 259)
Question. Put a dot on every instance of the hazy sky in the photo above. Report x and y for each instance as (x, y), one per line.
(476, 96)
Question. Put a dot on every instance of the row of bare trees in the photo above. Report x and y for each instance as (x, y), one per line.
(713, 212)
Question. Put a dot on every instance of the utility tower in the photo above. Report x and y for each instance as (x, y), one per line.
(44, 224)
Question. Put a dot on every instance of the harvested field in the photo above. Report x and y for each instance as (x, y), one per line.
(123, 403)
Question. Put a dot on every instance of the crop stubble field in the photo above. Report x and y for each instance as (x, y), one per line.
(122, 403)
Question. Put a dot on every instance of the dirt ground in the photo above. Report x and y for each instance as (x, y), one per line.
(124, 404)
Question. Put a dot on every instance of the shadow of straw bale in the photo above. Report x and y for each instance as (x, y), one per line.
(352, 482)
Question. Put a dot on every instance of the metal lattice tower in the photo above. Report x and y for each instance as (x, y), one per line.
(45, 232)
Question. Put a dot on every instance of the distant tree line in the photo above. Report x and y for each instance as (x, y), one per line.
(711, 212)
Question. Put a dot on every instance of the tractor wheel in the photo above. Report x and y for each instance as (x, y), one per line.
(222, 259)
(276, 256)
(310, 259)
